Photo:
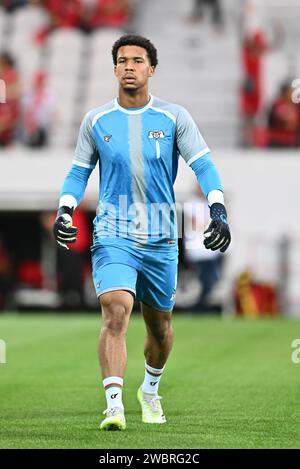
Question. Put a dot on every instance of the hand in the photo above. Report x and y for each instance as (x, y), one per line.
(64, 231)
(217, 235)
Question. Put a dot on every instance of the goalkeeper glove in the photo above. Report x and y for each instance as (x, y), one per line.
(63, 229)
(217, 235)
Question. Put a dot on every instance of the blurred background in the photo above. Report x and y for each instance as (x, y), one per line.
(234, 64)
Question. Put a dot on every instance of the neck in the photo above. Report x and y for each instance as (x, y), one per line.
(134, 98)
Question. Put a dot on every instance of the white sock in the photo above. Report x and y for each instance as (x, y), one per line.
(152, 379)
(113, 391)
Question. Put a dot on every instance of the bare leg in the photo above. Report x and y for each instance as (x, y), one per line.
(116, 309)
(159, 339)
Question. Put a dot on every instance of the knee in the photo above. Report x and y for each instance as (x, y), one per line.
(114, 319)
(115, 314)
(163, 332)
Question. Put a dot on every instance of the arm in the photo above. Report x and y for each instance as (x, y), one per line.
(74, 185)
(195, 152)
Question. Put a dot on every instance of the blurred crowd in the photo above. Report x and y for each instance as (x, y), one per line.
(264, 124)
(26, 116)
(200, 7)
(83, 14)
(273, 123)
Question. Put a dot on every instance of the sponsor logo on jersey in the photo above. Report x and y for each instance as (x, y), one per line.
(156, 134)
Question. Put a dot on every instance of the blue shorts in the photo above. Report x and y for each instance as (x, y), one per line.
(149, 273)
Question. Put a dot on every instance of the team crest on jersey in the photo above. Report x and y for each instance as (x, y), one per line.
(156, 134)
(107, 138)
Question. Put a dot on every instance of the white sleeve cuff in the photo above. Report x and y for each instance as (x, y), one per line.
(198, 155)
(67, 201)
(215, 196)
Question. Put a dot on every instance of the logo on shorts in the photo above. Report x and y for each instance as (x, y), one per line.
(107, 138)
(173, 297)
(98, 284)
(156, 134)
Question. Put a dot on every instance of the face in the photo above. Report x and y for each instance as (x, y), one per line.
(133, 67)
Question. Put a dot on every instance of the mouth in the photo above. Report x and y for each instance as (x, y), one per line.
(129, 79)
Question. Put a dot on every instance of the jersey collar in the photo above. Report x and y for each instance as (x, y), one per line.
(138, 110)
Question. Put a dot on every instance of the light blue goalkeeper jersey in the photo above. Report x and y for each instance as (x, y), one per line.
(137, 151)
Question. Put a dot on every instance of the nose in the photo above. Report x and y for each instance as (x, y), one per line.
(129, 65)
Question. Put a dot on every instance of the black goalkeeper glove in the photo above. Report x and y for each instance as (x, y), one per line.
(217, 235)
(63, 229)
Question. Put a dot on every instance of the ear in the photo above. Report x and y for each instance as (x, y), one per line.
(151, 71)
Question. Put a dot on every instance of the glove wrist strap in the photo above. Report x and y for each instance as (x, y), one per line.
(64, 209)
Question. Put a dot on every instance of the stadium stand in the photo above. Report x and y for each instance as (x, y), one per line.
(78, 65)
(64, 64)
(98, 85)
(24, 22)
(198, 67)
(2, 25)
(204, 61)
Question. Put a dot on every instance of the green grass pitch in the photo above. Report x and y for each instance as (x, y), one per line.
(229, 383)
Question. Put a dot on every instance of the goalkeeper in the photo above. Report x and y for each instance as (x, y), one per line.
(136, 140)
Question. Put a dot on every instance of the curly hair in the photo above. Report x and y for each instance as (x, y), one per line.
(135, 40)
